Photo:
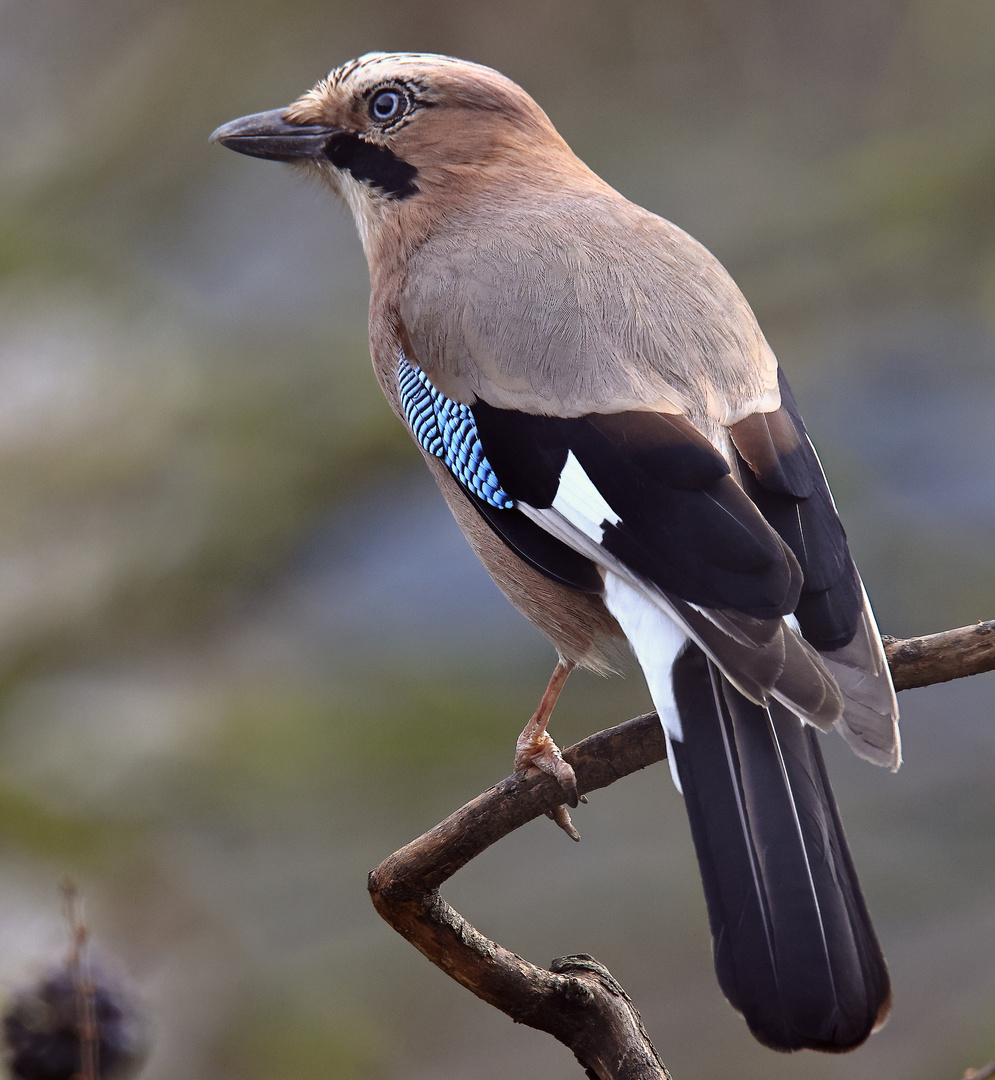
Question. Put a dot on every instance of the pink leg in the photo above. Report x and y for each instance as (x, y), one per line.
(535, 747)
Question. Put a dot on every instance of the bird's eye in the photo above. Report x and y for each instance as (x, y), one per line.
(387, 104)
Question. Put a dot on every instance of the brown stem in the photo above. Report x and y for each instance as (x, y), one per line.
(936, 658)
(83, 990)
(577, 1001)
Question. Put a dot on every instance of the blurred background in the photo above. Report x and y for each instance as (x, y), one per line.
(245, 652)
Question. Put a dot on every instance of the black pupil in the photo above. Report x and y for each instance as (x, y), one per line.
(386, 104)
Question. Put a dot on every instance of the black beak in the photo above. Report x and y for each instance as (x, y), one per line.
(268, 135)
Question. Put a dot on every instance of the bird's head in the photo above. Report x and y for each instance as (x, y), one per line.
(409, 133)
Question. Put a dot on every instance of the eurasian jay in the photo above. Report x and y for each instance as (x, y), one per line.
(608, 425)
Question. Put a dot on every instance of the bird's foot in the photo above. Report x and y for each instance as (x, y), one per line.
(538, 749)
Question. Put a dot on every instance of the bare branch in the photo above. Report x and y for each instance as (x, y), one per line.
(87, 1030)
(953, 654)
(577, 1001)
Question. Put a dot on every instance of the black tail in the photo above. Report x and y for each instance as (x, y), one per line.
(795, 951)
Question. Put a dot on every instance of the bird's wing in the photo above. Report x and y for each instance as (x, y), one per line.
(646, 499)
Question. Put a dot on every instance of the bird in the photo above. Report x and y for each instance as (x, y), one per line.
(612, 432)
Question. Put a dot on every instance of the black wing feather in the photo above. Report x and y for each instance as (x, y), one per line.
(686, 525)
(783, 477)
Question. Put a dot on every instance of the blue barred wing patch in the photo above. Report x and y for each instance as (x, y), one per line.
(447, 429)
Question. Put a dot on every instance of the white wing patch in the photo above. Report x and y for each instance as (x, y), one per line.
(656, 640)
(580, 502)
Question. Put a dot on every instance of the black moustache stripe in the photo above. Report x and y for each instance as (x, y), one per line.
(375, 165)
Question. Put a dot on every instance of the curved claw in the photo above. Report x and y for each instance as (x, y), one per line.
(562, 818)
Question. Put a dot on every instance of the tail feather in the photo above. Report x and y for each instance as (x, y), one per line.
(795, 951)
